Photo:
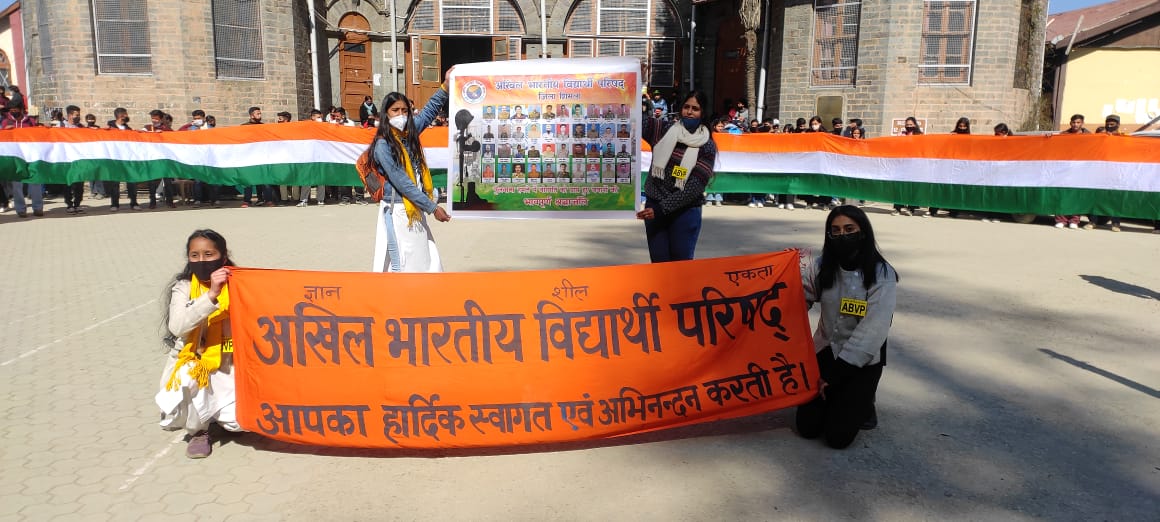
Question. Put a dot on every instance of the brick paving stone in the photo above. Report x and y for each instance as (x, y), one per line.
(77, 423)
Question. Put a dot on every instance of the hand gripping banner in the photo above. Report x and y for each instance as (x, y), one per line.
(460, 360)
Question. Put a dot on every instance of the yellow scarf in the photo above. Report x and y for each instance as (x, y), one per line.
(213, 330)
(413, 212)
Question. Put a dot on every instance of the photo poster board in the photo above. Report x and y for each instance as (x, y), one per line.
(554, 138)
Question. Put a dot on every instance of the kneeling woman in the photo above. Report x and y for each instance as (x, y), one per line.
(856, 288)
(404, 242)
(683, 155)
(197, 385)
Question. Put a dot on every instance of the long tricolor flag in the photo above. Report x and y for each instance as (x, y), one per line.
(1060, 174)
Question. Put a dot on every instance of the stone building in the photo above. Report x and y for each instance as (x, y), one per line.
(878, 60)
(221, 56)
(12, 47)
(884, 60)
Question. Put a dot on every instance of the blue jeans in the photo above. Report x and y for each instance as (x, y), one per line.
(35, 190)
(672, 238)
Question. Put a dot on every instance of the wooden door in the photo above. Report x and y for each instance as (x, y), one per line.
(729, 83)
(354, 62)
(426, 69)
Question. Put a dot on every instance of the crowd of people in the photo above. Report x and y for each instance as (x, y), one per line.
(169, 191)
(735, 120)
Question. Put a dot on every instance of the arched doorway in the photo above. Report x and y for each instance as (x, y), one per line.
(354, 62)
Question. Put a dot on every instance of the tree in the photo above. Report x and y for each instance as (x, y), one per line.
(751, 15)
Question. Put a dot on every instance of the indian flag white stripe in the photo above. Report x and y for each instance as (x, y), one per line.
(1142, 177)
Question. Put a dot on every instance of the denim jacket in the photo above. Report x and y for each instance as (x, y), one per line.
(398, 179)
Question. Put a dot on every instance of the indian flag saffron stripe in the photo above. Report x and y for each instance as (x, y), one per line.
(1106, 175)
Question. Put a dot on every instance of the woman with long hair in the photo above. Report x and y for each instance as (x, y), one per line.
(855, 286)
(684, 154)
(403, 241)
(197, 385)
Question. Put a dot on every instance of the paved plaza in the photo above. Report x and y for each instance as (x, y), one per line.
(1023, 383)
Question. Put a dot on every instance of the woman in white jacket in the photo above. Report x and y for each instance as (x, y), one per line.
(197, 385)
(856, 288)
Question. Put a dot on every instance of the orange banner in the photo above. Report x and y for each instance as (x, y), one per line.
(511, 358)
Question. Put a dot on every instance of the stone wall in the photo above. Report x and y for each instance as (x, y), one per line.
(183, 74)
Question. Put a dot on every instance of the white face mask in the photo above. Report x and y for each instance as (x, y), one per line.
(399, 122)
(198, 123)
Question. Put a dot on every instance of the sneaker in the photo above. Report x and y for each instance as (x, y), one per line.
(70, 210)
(22, 215)
(199, 446)
(134, 207)
(245, 205)
(905, 212)
(344, 201)
(1059, 225)
(301, 204)
(1115, 228)
(78, 210)
(1089, 226)
(4, 209)
(196, 204)
(321, 203)
(760, 205)
(896, 213)
(38, 213)
(268, 204)
(752, 204)
(790, 207)
(1073, 226)
(114, 209)
(216, 204)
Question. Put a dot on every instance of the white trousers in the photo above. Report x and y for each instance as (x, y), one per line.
(399, 248)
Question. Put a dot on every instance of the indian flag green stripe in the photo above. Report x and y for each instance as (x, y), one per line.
(1006, 199)
(331, 174)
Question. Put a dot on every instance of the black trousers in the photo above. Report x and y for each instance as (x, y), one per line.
(73, 194)
(113, 190)
(168, 191)
(848, 403)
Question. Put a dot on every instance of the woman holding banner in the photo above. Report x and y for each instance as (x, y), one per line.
(403, 241)
(856, 288)
(683, 155)
(197, 385)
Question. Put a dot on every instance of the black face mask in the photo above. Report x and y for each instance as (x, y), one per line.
(204, 269)
(846, 246)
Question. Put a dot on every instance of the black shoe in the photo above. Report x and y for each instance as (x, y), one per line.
(871, 422)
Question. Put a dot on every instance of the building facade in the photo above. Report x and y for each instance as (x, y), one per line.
(221, 56)
(433, 35)
(885, 60)
(1106, 60)
(12, 48)
(878, 60)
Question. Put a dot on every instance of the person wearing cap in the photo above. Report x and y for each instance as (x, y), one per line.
(659, 102)
(1111, 126)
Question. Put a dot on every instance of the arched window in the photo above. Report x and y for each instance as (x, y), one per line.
(5, 70)
(467, 17)
(646, 29)
(237, 40)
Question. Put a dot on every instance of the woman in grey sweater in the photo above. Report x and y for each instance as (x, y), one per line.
(856, 288)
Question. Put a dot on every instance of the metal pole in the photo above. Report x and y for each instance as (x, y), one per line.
(693, 48)
(764, 62)
(314, 54)
(394, 52)
(543, 31)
